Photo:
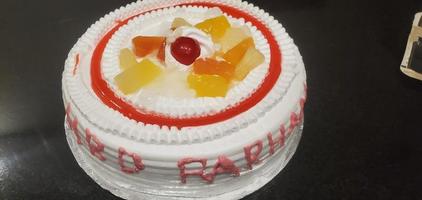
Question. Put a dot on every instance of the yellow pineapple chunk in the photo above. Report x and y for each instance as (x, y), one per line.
(232, 37)
(137, 76)
(250, 60)
(216, 27)
(127, 59)
(208, 85)
(178, 22)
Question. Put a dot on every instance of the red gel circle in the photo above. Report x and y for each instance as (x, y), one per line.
(109, 98)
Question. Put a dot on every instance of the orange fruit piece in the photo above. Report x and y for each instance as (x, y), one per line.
(145, 45)
(235, 55)
(250, 60)
(216, 27)
(212, 66)
(137, 76)
(161, 55)
(208, 85)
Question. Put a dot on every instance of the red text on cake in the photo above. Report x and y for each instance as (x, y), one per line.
(137, 162)
(302, 101)
(73, 124)
(294, 121)
(95, 146)
(273, 143)
(197, 172)
(252, 153)
(223, 166)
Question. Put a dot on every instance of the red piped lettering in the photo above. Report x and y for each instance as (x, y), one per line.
(223, 165)
(73, 124)
(302, 108)
(198, 172)
(137, 162)
(294, 121)
(95, 146)
(282, 135)
(272, 143)
(253, 157)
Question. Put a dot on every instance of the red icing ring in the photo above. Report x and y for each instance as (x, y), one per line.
(109, 98)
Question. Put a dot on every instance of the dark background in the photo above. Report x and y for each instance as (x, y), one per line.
(363, 133)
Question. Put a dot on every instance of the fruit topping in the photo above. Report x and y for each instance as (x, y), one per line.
(185, 50)
(145, 45)
(127, 59)
(178, 22)
(216, 27)
(137, 76)
(233, 36)
(250, 60)
(221, 65)
(161, 55)
(208, 85)
(234, 55)
(212, 66)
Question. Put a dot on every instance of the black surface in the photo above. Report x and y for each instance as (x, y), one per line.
(362, 137)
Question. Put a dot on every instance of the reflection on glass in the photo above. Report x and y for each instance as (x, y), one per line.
(415, 61)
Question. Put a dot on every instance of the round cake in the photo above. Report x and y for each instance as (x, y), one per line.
(184, 99)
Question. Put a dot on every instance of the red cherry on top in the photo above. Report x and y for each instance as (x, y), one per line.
(185, 50)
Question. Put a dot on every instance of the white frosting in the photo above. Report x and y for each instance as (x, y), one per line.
(161, 147)
(205, 43)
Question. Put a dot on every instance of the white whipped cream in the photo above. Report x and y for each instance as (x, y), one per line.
(205, 42)
(171, 83)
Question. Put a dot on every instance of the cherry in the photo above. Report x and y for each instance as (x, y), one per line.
(185, 50)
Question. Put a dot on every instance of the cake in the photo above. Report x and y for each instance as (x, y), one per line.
(184, 99)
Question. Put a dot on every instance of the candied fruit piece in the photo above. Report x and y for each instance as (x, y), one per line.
(145, 45)
(216, 27)
(211, 66)
(185, 50)
(208, 85)
(161, 55)
(233, 36)
(137, 76)
(127, 59)
(250, 60)
(178, 22)
(234, 55)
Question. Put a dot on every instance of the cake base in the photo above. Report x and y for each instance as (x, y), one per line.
(244, 185)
